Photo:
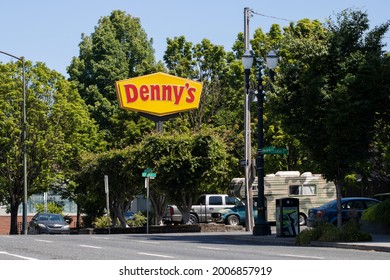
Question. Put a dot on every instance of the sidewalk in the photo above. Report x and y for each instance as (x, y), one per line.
(379, 242)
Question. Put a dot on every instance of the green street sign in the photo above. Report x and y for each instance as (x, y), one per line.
(148, 172)
(271, 150)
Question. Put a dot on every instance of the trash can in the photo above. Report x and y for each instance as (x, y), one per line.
(287, 217)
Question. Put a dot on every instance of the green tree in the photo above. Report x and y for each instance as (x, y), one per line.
(187, 165)
(124, 180)
(331, 90)
(59, 130)
(118, 49)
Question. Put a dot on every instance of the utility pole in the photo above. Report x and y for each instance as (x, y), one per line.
(247, 131)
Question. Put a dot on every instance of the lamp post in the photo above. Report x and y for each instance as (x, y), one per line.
(247, 61)
(24, 129)
(261, 226)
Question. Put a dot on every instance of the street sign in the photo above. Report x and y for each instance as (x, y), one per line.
(148, 172)
(271, 150)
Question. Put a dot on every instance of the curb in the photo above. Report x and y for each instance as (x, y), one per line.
(366, 247)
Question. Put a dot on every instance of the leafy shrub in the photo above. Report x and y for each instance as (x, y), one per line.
(138, 220)
(102, 222)
(349, 232)
(378, 213)
(52, 207)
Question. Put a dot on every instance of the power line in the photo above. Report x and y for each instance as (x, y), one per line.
(256, 13)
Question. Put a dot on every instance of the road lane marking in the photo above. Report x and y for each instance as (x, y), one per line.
(17, 256)
(212, 248)
(41, 240)
(148, 242)
(89, 246)
(155, 255)
(301, 256)
(105, 238)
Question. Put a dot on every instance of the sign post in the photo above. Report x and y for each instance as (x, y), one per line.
(148, 174)
(107, 201)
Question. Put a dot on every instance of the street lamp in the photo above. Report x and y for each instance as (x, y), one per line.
(247, 61)
(24, 148)
(261, 226)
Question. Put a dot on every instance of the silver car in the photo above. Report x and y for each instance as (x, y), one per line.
(48, 223)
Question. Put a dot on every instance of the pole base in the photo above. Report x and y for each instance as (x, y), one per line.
(262, 229)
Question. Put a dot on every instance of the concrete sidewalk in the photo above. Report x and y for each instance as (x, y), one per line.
(379, 242)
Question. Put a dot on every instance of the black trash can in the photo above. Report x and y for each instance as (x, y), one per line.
(287, 217)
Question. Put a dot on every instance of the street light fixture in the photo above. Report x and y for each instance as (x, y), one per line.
(24, 148)
(261, 226)
(247, 61)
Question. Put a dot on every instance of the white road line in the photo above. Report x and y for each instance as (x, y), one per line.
(88, 246)
(156, 255)
(212, 248)
(41, 240)
(17, 256)
(148, 242)
(105, 238)
(301, 256)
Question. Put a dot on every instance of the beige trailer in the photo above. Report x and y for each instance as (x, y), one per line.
(312, 190)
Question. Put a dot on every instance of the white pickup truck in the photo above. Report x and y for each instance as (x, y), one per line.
(202, 209)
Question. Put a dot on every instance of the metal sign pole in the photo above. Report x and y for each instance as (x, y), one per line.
(107, 202)
(147, 204)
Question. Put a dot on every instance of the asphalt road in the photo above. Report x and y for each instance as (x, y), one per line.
(188, 246)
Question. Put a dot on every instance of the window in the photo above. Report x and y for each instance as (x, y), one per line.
(215, 200)
(302, 190)
(231, 200)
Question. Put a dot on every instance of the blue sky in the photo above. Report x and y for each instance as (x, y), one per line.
(50, 30)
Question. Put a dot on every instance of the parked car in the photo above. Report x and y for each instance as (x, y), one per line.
(351, 208)
(48, 223)
(233, 216)
(129, 215)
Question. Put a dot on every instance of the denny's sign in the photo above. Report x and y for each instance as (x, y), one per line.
(158, 94)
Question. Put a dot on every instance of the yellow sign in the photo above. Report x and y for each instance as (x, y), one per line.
(158, 94)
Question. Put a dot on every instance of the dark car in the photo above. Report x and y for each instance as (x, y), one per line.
(48, 223)
(351, 208)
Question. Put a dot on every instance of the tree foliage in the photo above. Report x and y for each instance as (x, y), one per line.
(59, 130)
(187, 165)
(331, 90)
(118, 49)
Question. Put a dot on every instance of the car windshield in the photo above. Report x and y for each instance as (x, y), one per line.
(329, 204)
(51, 217)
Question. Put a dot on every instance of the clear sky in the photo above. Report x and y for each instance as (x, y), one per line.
(50, 30)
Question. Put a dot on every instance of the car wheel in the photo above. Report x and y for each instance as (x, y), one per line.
(193, 219)
(302, 219)
(233, 220)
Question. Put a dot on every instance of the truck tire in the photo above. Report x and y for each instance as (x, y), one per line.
(193, 219)
(233, 220)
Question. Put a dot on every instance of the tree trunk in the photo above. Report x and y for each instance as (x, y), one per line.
(339, 184)
(14, 219)
(159, 203)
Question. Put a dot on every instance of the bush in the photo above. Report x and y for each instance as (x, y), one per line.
(378, 213)
(102, 222)
(52, 207)
(138, 220)
(349, 232)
